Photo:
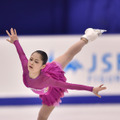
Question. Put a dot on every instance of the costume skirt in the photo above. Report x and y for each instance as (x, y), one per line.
(54, 70)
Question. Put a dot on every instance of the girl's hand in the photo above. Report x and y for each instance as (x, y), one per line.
(97, 89)
(13, 35)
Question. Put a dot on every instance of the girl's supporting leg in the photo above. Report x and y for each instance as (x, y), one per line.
(70, 53)
(45, 112)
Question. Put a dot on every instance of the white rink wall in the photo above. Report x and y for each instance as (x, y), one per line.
(97, 63)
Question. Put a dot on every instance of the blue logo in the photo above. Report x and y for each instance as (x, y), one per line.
(105, 61)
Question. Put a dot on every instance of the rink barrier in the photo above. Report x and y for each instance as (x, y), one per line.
(115, 99)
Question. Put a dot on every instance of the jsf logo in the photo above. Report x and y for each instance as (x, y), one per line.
(107, 70)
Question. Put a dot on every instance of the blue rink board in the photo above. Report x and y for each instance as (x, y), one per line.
(115, 99)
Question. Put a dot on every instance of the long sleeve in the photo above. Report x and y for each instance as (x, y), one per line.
(21, 54)
(54, 83)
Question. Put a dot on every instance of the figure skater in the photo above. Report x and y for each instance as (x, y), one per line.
(47, 79)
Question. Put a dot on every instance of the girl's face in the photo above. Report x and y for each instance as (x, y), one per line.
(35, 64)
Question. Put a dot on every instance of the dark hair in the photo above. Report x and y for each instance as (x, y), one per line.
(43, 54)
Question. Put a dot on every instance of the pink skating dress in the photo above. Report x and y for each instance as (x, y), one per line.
(50, 84)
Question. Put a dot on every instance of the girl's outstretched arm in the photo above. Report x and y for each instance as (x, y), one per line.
(14, 40)
(60, 84)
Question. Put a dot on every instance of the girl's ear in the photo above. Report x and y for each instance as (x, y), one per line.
(43, 67)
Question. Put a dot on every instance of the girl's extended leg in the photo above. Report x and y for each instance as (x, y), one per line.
(70, 53)
(45, 112)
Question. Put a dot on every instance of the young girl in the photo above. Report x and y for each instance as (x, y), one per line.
(48, 80)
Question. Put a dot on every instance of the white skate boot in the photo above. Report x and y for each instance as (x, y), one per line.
(92, 34)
